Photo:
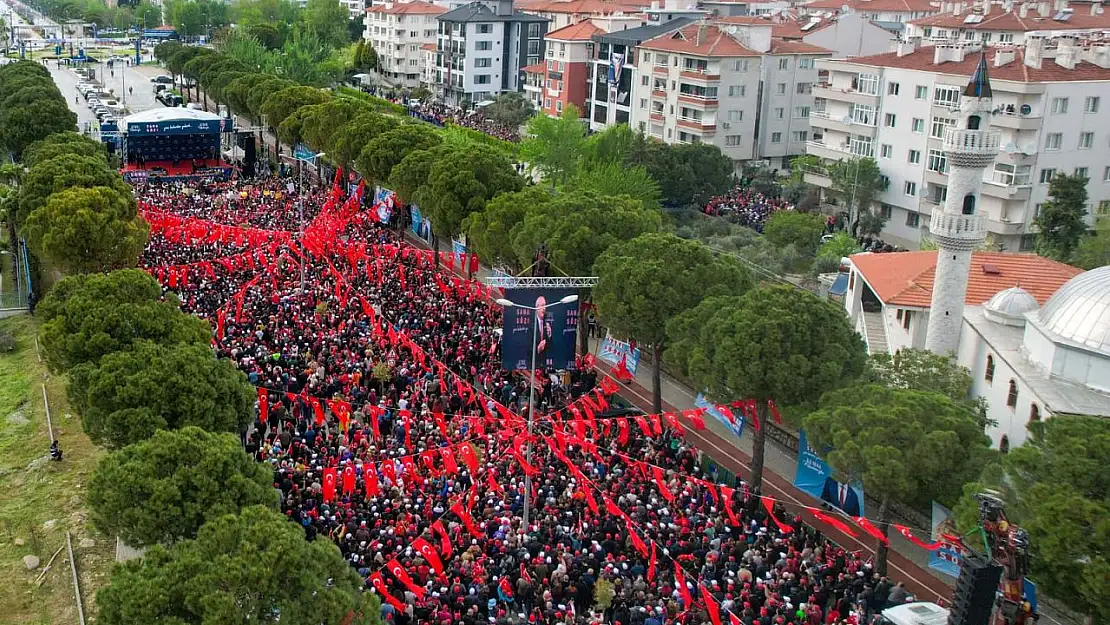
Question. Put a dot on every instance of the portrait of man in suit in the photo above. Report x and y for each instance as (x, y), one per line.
(841, 496)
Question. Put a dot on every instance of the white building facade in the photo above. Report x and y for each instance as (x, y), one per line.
(399, 31)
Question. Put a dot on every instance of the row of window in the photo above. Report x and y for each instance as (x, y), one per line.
(1054, 141)
(969, 35)
(1012, 392)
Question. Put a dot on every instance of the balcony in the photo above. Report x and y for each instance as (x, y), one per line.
(834, 151)
(660, 70)
(698, 125)
(657, 117)
(822, 119)
(1003, 191)
(971, 148)
(700, 102)
(1016, 121)
(1005, 228)
(699, 76)
(659, 93)
(964, 231)
(844, 94)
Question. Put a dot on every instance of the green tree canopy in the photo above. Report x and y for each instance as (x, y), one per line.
(66, 171)
(613, 179)
(280, 105)
(489, 232)
(384, 151)
(922, 370)
(840, 245)
(61, 143)
(774, 343)
(647, 281)
(802, 230)
(1094, 250)
(238, 91)
(552, 145)
(127, 396)
(262, 91)
(163, 489)
(410, 176)
(349, 140)
(1057, 488)
(88, 230)
(855, 184)
(1060, 221)
(87, 316)
(462, 180)
(240, 569)
(510, 108)
(689, 174)
(608, 147)
(903, 445)
(328, 19)
(23, 125)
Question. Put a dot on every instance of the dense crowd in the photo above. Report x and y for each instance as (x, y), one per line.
(374, 364)
(442, 114)
(744, 206)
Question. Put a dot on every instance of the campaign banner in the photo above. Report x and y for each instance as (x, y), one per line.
(421, 225)
(384, 201)
(458, 250)
(557, 326)
(947, 558)
(814, 477)
(616, 66)
(710, 409)
(175, 127)
(612, 351)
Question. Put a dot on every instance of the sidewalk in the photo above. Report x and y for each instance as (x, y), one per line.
(906, 562)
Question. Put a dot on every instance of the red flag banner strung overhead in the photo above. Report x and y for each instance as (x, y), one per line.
(680, 581)
(426, 551)
(905, 531)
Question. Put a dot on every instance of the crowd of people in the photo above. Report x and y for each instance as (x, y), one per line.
(394, 433)
(442, 114)
(744, 206)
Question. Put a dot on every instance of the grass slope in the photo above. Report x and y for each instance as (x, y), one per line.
(40, 499)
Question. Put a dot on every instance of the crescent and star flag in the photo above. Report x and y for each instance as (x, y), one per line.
(348, 480)
(905, 531)
(444, 539)
(449, 464)
(769, 504)
(694, 415)
(402, 576)
(680, 581)
(468, 522)
(425, 549)
(329, 484)
(661, 483)
(370, 478)
(263, 404)
(868, 527)
(833, 521)
(622, 423)
(726, 494)
(711, 606)
(389, 471)
(378, 582)
(471, 461)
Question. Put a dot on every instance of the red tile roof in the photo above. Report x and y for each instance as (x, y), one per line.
(428, 46)
(583, 7)
(535, 68)
(1015, 71)
(910, 6)
(1010, 21)
(793, 46)
(711, 41)
(581, 31)
(414, 7)
(906, 278)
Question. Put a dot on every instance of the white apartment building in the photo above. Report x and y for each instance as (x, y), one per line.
(1006, 22)
(1050, 98)
(356, 8)
(563, 13)
(398, 31)
(482, 49)
(878, 10)
(734, 86)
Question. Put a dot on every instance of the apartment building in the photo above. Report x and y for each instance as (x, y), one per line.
(878, 10)
(1049, 94)
(613, 70)
(398, 31)
(563, 13)
(482, 49)
(848, 34)
(1006, 22)
(565, 72)
(733, 85)
(355, 8)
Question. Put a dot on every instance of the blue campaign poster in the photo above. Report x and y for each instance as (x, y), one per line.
(557, 324)
(947, 558)
(421, 225)
(612, 351)
(814, 477)
(701, 402)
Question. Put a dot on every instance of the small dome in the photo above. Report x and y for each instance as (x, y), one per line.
(1009, 306)
(1080, 310)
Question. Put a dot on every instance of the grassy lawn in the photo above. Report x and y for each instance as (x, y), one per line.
(40, 499)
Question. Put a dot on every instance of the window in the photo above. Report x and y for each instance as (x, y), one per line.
(862, 114)
(988, 373)
(482, 46)
(1012, 395)
(914, 157)
(481, 79)
(920, 92)
(867, 83)
(1053, 140)
(737, 91)
(1106, 174)
(776, 137)
(892, 88)
(534, 30)
(937, 162)
(946, 96)
(805, 63)
(1047, 174)
(643, 105)
(804, 88)
(784, 63)
(939, 125)
(661, 60)
(861, 145)
(969, 35)
(1090, 105)
(732, 140)
(885, 150)
(911, 190)
(780, 113)
(1012, 175)
(1037, 209)
(1082, 172)
(1086, 140)
(740, 66)
(1103, 207)
(800, 135)
(801, 112)
(885, 210)
(913, 220)
(486, 62)
(918, 125)
(735, 115)
(781, 88)
(484, 29)
(889, 120)
(1005, 37)
(1059, 106)
(1034, 412)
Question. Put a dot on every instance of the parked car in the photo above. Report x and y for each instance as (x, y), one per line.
(162, 80)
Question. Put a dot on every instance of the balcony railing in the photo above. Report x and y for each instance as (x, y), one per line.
(971, 142)
(957, 227)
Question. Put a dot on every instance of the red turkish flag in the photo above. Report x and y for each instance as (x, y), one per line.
(317, 410)
(622, 423)
(370, 478)
(734, 620)
(769, 504)
(868, 527)
(833, 521)
(671, 419)
(651, 564)
(661, 483)
(348, 480)
(683, 591)
(402, 576)
(389, 470)
(449, 464)
(263, 403)
(711, 606)
(695, 418)
(642, 422)
(378, 582)
(425, 549)
(444, 539)
(471, 460)
(329, 484)
(467, 521)
(726, 496)
(637, 542)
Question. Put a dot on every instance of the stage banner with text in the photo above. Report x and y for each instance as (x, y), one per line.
(612, 351)
(814, 477)
(947, 558)
(701, 402)
(557, 325)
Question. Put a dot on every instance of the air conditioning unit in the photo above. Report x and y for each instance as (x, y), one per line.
(726, 125)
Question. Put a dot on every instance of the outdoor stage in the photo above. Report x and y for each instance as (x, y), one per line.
(172, 142)
(167, 170)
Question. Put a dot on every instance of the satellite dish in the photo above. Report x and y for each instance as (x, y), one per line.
(846, 120)
(1026, 109)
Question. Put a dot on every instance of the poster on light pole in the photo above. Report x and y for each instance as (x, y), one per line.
(555, 343)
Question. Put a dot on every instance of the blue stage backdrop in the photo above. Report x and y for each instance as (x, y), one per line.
(947, 558)
(814, 477)
(556, 342)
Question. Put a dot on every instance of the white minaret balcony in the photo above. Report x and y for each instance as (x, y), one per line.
(971, 148)
(957, 232)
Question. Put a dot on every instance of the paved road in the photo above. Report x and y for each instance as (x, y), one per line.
(138, 78)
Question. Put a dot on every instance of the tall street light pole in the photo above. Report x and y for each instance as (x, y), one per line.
(536, 325)
(300, 199)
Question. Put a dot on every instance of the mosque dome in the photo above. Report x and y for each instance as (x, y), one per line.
(1080, 311)
(1009, 306)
